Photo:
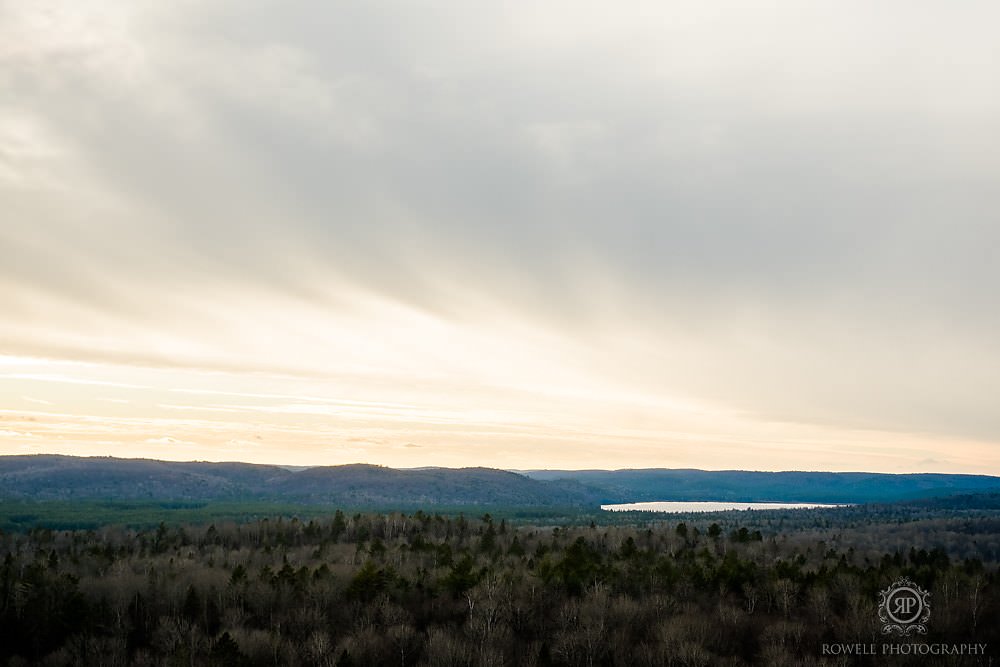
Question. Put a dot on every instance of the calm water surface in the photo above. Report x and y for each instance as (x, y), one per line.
(708, 506)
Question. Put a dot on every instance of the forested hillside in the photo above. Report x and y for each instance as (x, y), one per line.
(68, 478)
(742, 485)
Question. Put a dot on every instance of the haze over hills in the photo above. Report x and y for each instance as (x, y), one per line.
(55, 477)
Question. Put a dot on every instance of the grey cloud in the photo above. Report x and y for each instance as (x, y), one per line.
(803, 200)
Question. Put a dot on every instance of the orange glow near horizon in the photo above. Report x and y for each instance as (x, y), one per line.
(97, 409)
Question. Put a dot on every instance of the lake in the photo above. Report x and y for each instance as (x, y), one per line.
(708, 506)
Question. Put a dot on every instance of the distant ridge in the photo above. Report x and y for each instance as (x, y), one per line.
(57, 477)
(791, 486)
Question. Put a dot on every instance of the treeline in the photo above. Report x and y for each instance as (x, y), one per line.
(978, 510)
(420, 589)
(92, 514)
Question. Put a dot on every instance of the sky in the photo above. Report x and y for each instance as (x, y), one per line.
(553, 234)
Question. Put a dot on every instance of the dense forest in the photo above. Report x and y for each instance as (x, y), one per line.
(425, 589)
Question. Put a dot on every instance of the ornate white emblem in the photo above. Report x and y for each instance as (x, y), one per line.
(904, 608)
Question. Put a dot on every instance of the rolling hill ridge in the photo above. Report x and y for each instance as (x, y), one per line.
(56, 477)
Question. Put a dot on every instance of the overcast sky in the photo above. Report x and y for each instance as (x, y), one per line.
(548, 234)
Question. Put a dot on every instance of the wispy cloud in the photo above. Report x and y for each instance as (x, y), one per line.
(38, 401)
(167, 440)
(4, 433)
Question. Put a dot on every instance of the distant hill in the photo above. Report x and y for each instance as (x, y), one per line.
(738, 485)
(51, 477)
